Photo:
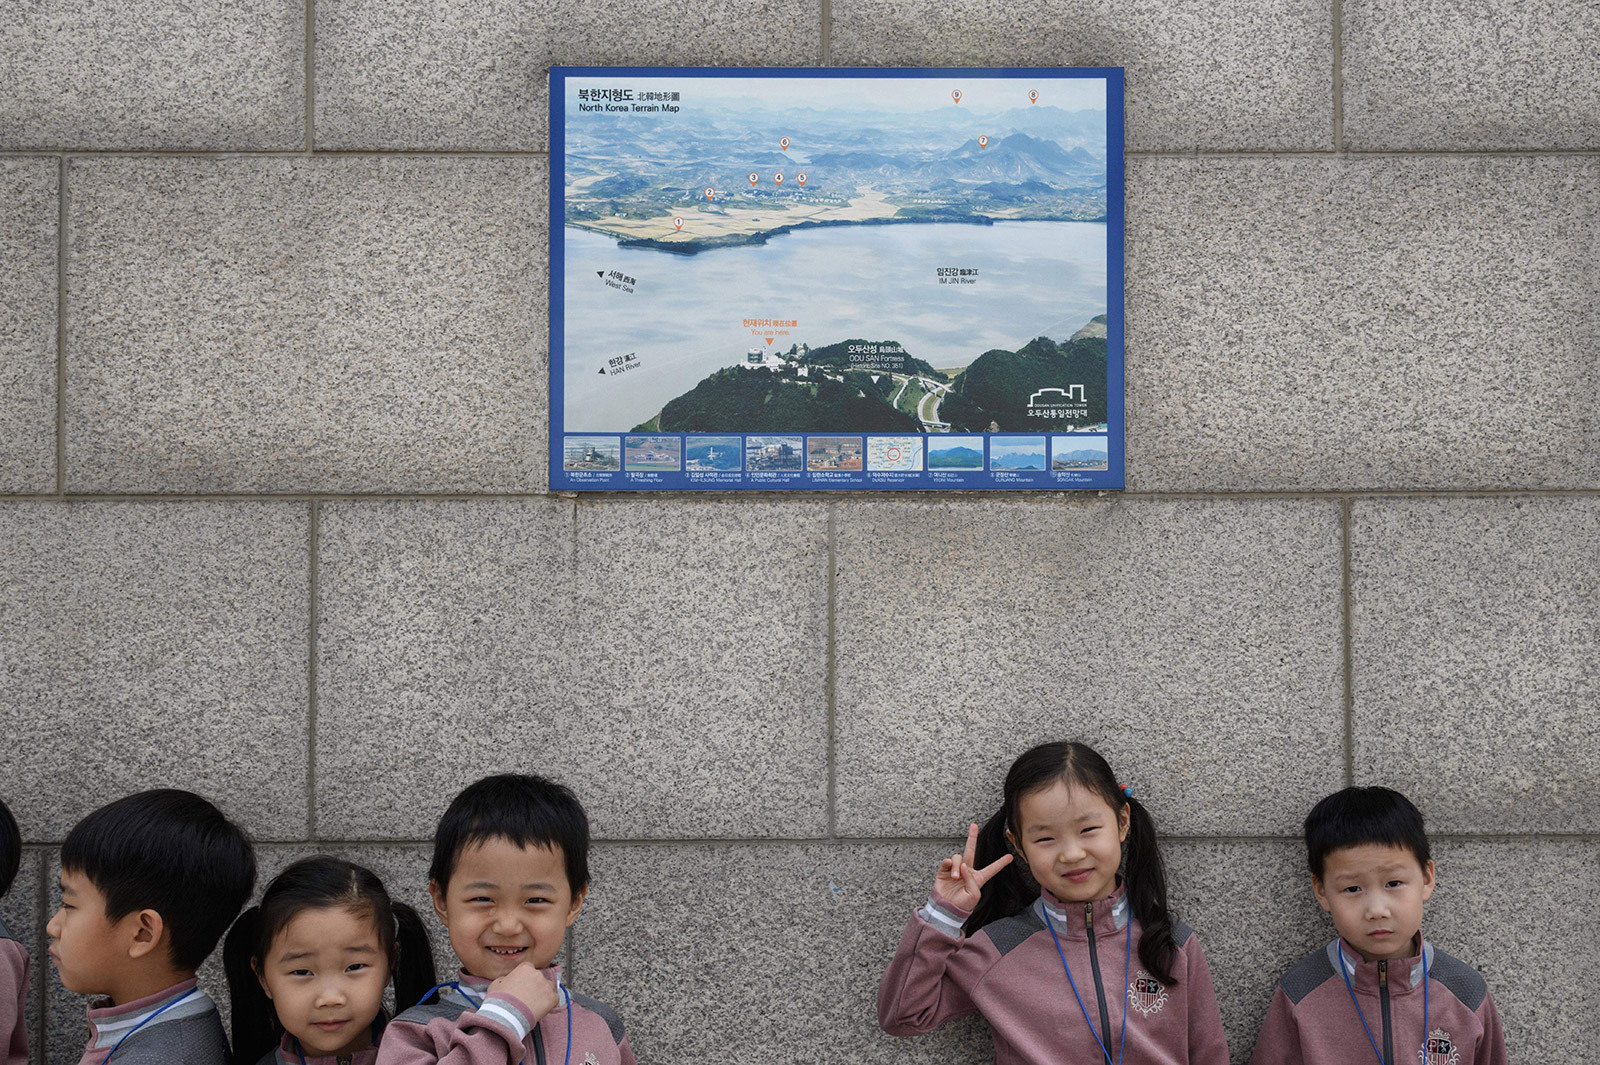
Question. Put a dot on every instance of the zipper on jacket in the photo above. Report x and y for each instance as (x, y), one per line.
(1099, 989)
(1383, 997)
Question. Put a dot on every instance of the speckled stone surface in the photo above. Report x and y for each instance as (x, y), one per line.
(440, 630)
(775, 951)
(474, 75)
(1250, 903)
(1443, 74)
(22, 909)
(1243, 75)
(29, 209)
(152, 74)
(1508, 908)
(1320, 323)
(154, 644)
(297, 325)
(1476, 627)
(676, 653)
(1196, 644)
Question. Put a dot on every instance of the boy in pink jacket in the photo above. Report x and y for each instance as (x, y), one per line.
(1379, 992)
(510, 872)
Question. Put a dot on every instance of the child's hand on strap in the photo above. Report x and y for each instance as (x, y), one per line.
(958, 883)
(530, 987)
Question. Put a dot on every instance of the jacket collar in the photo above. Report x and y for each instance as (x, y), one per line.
(1403, 975)
(1110, 914)
(108, 1024)
(477, 987)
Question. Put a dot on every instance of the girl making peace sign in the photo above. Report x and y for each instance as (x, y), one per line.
(1067, 959)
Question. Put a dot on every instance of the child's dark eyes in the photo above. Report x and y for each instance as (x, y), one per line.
(300, 972)
(356, 966)
(1397, 883)
(537, 901)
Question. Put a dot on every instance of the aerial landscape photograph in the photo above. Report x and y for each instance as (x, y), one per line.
(789, 254)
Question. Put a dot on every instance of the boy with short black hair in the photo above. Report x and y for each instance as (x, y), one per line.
(1379, 991)
(149, 883)
(509, 875)
(13, 955)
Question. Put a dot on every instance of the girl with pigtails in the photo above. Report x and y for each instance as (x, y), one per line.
(308, 967)
(1053, 924)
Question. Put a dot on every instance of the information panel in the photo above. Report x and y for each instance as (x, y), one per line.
(826, 279)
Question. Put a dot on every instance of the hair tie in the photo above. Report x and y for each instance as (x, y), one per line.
(1127, 791)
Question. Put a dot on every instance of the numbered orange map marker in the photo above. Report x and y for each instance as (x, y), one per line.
(801, 178)
(783, 142)
(1033, 96)
(955, 94)
(983, 142)
(778, 178)
(711, 193)
(753, 179)
(678, 222)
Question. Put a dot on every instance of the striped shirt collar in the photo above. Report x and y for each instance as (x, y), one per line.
(108, 1023)
(1110, 914)
(1364, 974)
(477, 988)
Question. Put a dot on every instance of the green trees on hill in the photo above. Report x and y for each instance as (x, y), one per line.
(736, 400)
(997, 386)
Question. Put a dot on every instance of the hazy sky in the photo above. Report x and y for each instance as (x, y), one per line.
(985, 95)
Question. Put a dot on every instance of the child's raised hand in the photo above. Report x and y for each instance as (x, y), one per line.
(958, 883)
(528, 986)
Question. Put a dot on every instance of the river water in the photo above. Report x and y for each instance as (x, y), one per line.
(685, 316)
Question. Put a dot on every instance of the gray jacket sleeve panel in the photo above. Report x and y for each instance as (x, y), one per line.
(1464, 982)
(612, 1018)
(1306, 975)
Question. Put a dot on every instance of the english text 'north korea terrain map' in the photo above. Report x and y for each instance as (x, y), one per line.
(836, 279)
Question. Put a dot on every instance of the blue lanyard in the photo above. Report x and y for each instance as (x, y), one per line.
(1122, 1040)
(566, 997)
(1352, 993)
(186, 996)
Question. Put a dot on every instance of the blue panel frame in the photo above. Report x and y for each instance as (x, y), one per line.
(624, 480)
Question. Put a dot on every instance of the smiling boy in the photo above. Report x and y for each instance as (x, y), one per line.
(1379, 991)
(509, 875)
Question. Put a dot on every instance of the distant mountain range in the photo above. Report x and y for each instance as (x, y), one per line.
(960, 457)
(1022, 460)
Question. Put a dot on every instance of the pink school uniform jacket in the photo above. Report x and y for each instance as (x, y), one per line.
(1010, 972)
(13, 999)
(478, 1028)
(1312, 1020)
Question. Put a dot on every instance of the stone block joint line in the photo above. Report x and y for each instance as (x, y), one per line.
(1349, 648)
(1338, 75)
(61, 325)
(314, 557)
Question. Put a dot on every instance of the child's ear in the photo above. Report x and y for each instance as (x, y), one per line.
(1427, 880)
(1124, 819)
(436, 893)
(577, 904)
(147, 927)
(1321, 893)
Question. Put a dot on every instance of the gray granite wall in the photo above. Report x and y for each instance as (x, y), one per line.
(274, 521)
